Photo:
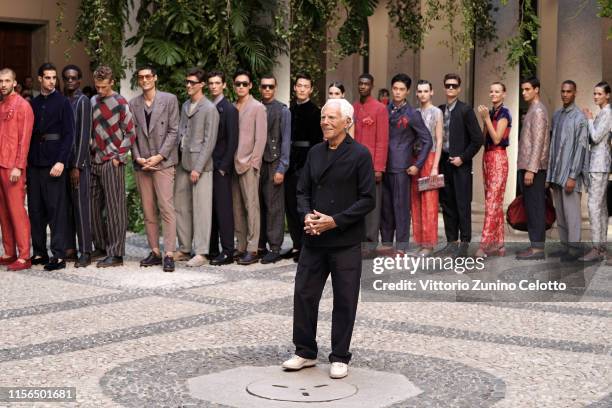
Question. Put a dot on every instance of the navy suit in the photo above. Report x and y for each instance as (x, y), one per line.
(406, 128)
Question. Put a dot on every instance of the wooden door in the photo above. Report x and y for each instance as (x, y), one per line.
(16, 49)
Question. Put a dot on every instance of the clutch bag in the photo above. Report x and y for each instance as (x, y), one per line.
(431, 183)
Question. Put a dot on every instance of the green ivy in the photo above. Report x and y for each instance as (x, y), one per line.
(605, 11)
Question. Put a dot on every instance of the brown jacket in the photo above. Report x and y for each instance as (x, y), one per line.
(535, 139)
(161, 138)
(252, 136)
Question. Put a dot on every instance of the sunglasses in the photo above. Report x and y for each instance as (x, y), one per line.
(451, 86)
(243, 84)
(189, 82)
(148, 77)
(267, 86)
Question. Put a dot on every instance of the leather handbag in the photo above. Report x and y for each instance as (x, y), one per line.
(516, 215)
(430, 183)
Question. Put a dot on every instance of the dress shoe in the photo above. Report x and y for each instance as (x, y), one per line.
(181, 256)
(55, 264)
(530, 255)
(289, 253)
(168, 264)
(271, 257)
(110, 261)
(84, 261)
(338, 370)
(248, 258)
(40, 260)
(262, 252)
(211, 256)
(7, 261)
(449, 250)
(19, 266)
(594, 255)
(97, 254)
(462, 250)
(222, 259)
(196, 261)
(297, 363)
(151, 260)
(238, 254)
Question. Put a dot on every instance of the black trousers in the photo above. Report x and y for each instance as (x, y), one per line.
(314, 267)
(395, 214)
(79, 212)
(456, 200)
(47, 197)
(295, 223)
(534, 198)
(272, 208)
(223, 215)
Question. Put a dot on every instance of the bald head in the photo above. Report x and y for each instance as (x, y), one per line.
(8, 71)
(7, 81)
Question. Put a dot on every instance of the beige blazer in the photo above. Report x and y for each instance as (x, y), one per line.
(163, 129)
(198, 135)
(252, 136)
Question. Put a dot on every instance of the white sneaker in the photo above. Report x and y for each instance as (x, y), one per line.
(297, 363)
(338, 370)
(196, 261)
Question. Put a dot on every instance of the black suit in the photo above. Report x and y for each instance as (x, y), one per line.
(465, 140)
(223, 160)
(339, 183)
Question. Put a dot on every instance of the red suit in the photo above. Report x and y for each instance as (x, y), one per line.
(16, 121)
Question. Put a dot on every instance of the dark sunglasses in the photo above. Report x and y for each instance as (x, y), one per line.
(148, 77)
(243, 84)
(189, 82)
(267, 86)
(451, 86)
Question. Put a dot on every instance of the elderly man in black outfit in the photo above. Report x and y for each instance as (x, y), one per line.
(335, 192)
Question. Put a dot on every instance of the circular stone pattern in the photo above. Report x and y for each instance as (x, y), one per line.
(315, 388)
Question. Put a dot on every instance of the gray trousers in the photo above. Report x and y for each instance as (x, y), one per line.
(372, 220)
(567, 209)
(272, 208)
(598, 208)
(193, 205)
(245, 199)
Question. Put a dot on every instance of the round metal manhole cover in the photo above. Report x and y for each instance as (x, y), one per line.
(315, 388)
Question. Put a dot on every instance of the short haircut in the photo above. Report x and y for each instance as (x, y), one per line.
(337, 84)
(74, 68)
(533, 81)
(241, 71)
(5, 71)
(604, 85)
(346, 109)
(365, 75)
(220, 74)
(500, 84)
(425, 82)
(103, 72)
(569, 82)
(268, 76)
(306, 76)
(146, 66)
(405, 79)
(452, 76)
(198, 73)
(47, 66)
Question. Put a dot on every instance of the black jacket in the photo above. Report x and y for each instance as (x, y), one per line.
(342, 187)
(466, 138)
(227, 138)
(305, 128)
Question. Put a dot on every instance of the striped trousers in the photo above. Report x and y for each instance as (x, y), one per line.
(598, 209)
(108, 207)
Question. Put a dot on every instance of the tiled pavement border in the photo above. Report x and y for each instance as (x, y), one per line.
(160, 381)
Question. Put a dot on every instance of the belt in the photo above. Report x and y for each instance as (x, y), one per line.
(300, 143)
(50, 136)
(494, 147)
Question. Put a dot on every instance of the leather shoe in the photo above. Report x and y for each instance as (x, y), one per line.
(97, 254)
(271, 257)
(238, 254)
(40, 260)
(168, 264)
(222, 259)
(7, 261)
(211, 256)
(151, 260)
(19, 266)
(248, 258)
(84, 261)
(449, 250)
(289, 253)
(55, 264)
(110, 261)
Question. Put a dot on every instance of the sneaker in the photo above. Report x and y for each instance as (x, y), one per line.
(196, 261)
(338, 370)
(297, 363)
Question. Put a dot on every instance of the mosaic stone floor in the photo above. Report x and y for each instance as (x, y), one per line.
(134, 337)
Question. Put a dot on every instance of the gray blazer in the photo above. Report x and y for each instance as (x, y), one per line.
(198, 135)
(600, 130)
(163, 129)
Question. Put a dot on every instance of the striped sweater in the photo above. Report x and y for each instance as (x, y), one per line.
(113, 128)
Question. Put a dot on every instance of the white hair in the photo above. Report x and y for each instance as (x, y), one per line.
(346, 109)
